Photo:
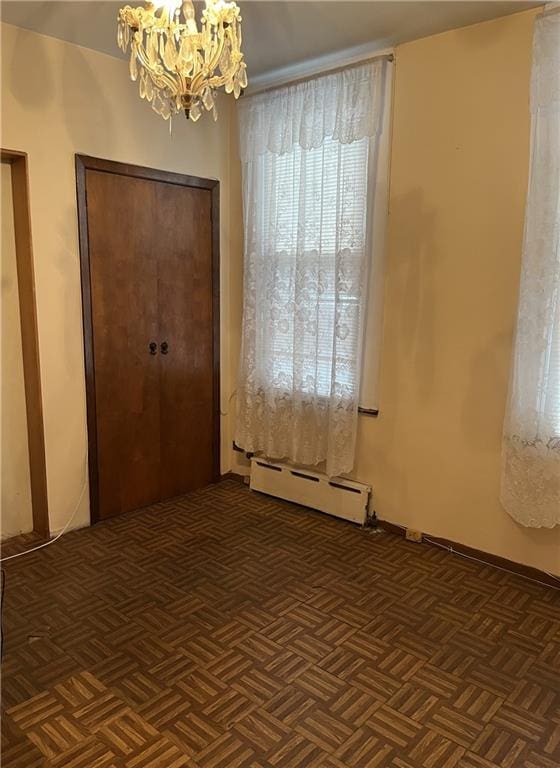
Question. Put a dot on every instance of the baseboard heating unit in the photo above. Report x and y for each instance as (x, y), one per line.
(335, 496)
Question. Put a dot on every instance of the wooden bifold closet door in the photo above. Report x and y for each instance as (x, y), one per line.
(150, 286)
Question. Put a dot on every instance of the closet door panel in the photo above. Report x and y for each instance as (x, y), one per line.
(123, 246)
(149, 252)
(184, 224)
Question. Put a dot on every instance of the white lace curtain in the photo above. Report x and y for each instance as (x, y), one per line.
(531, 447)
(306, 150)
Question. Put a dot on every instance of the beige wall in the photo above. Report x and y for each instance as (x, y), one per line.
(15, 483)
(59, 99)
(458, 184)
(459, 168)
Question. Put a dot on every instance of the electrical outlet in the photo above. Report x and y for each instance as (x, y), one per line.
(413, 535)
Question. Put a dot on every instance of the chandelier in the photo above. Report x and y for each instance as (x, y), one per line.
(179, 66)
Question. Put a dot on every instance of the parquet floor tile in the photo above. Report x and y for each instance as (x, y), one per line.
(226, 629)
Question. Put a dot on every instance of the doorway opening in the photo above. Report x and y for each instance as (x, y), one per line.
(24, 501)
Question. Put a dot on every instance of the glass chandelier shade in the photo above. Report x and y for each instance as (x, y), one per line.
(178, 66)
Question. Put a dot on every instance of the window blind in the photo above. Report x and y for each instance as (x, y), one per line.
(312, 191)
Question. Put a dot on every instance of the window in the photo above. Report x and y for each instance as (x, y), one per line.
(310, 153)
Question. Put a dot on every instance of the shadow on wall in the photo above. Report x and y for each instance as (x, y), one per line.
(485, 35)
(408, 357)
(88, 116)
(481, 420)
(32, 86)
(72, 86)
(66, 260)
(409, 336)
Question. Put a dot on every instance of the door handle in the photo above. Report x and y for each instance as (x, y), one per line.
(152, 347)
(164, 348)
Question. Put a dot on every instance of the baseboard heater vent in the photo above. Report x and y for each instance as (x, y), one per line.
(335, 496)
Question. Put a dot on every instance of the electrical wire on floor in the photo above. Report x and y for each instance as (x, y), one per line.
(450, 549)
(59, 534)
(70, 254)
(34, 549)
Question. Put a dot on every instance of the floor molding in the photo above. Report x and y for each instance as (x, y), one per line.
(233, 476)
(454, 547)
(527, 571)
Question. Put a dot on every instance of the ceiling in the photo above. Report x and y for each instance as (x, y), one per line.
(277, 35)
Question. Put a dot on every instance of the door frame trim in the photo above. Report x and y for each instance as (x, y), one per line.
(83, 164)
(29, 339)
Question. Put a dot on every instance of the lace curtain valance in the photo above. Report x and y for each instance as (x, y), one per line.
(345, 106)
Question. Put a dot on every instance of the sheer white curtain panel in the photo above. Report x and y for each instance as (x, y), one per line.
(531, 443)
(306, 154)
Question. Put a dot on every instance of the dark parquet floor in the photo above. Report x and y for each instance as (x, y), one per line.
(229, 630)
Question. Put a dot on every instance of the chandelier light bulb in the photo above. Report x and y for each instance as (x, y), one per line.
(178, 64)
(170, 5)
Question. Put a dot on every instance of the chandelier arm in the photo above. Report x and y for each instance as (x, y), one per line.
(183, 87)
(218, 54)
(217, 81)
(162, 77)
(199, 78)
